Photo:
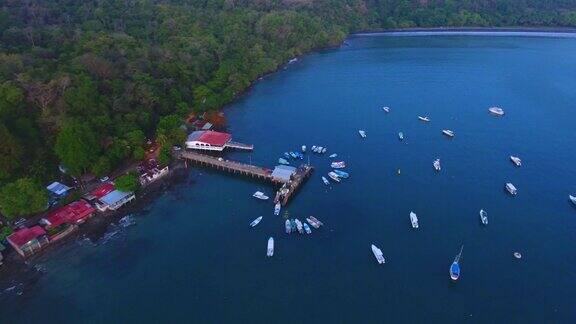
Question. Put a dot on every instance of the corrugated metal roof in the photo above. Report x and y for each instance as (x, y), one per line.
(115, 196)
(58, 188)
(283, 172)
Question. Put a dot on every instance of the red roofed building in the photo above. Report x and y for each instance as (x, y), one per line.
(103, 190)
(74, 213)
(27, 241)
(213, 141)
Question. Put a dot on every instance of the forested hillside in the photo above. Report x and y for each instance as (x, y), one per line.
(84, 83)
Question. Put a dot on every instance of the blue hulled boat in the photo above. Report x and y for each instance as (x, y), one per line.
(455, 267)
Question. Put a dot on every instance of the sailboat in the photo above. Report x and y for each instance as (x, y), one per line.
(455, 267)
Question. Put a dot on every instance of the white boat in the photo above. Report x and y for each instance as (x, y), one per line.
(314, 222)
(294, 60)
(414, 219)
(496, 111)
(283, 161)
(323, 150)
(307, 228)
(319, 149)
(256, 221)
(313, 148)
(516, 160)
(386, 109)
(362, 133)
(338, 165)
(511, 189)
(270, 250)
(572, 199)
(260, 195)
(334, 176)
(341, 174)
(277, 208)
(333, 155)
(288, 226)
(378, 254)
(484, 217)
(401, 136)
(448, 132)
(424, 119)
(304, 148)
(299, 226)
(326, 182)
(436, 164)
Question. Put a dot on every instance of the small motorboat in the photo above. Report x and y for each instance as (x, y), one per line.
(386, 109)
(424, 119)
(313, 148)
(307, 228)
(483, 217)
(572, 199)
(260, 195)
(270, 250)
(287, 155)
(511, 189)
(401, 136)
(455, 267)
(283, 161)
(516, 160)
(517, 255)
(277, 208)
(288, 227)
(256, 221)
(334, 176)
(326, 182)
(362, 133)
(338, 165)
(448, 132)
(293, 155)
(293, 225)
(299, 226)
(319, 149)
(496, 111)
(333, 155)
(314, 222)
(414, 219)
(303, 148)
(299, 155)
(378, 254)
(323, 150)
(436, 164)
(341, 174)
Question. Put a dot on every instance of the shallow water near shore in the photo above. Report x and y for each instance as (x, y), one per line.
(192, 257)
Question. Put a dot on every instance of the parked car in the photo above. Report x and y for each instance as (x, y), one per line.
(105, 179)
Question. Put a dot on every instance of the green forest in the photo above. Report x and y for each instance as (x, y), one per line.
(83, 84)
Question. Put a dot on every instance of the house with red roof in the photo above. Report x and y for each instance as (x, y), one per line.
(213, 141)
(74, 213)
(27, 241)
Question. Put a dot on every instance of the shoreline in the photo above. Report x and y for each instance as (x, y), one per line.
(468, 30)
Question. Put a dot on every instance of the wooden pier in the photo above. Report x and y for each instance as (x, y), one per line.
(287, 189)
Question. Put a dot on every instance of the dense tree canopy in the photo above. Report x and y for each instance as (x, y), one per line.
(84, 83)
(22, 197)
(128, 182)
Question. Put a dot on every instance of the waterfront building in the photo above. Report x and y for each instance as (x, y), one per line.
(213, 141)
(27, 241)
(75, 213)
(114, 200)
(283, 173)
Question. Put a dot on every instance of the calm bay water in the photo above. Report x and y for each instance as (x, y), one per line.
(191, 256)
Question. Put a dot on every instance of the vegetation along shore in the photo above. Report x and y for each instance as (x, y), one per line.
(92, 90)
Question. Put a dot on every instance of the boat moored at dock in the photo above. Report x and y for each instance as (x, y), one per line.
(288, 226)
(270, 249)
(341, 174)
(256, 221)
(303, 148)
(283, 161)
(307, 228)
(299, 226)
(338, 165)
(314, 222)
(277, 208)
(378, 254)
(334, 176)
(260, 195)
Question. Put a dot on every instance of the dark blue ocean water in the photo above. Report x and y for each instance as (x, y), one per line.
(191, 256)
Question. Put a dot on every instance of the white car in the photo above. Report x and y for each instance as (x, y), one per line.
(105, 179)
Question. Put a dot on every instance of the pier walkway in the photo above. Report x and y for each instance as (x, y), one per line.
(287, 189)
